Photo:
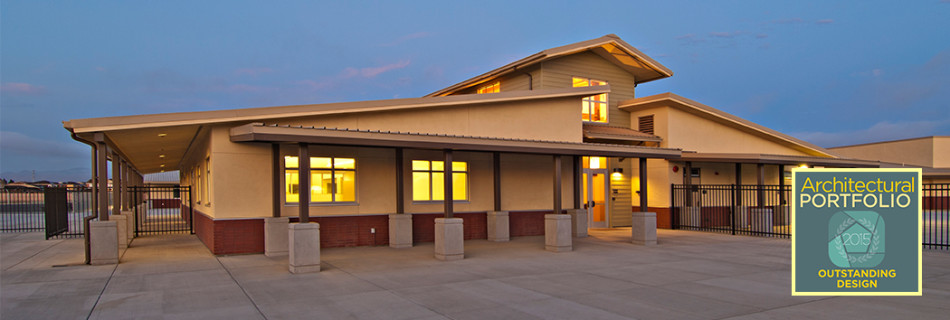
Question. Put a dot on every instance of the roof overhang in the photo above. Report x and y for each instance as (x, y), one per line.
(693, 107)
(609, 47)
(602, 132)
(259, 132)
(778, 159)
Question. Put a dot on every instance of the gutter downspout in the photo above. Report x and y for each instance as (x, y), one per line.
(95, 185)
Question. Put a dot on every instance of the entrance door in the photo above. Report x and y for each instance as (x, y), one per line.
(595, 197)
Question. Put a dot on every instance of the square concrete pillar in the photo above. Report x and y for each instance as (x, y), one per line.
(140, 214)
(400, 230)
(557, 233)
(690, 216)
(742, 216)
(304, 245)
(449, 239)
(130, 222)
(498, 230)
(761, 220)
(122, 227)
(578, 222)
(644, 228)
(276, 237)
(103, 242)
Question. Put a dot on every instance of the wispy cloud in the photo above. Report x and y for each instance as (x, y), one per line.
(21, 88)
(725, 34)
(252, 71)
(372, 72)
(411, 36)
(18, 143)
(825, 21)
(691, 38)
(881, 131)
(794, 20)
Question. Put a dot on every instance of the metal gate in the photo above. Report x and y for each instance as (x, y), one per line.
(736, 209)
(56, 205)
(162, 209)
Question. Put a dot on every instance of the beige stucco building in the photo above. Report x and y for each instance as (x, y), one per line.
(514, 139)
(932, 154)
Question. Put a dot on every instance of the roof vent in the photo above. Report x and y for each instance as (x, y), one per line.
(646, 124)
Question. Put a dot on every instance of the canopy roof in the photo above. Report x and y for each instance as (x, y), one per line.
(259, 132)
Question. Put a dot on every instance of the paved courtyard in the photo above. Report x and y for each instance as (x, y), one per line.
(689, 275)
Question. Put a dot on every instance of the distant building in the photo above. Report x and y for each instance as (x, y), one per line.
(930, 153)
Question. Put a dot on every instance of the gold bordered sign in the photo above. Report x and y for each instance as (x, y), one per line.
(856, 232)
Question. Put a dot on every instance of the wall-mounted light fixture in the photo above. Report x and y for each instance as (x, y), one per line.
(618, 173)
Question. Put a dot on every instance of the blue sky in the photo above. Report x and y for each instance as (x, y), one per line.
(832, 73)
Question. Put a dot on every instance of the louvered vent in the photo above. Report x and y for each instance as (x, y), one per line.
(646, 124)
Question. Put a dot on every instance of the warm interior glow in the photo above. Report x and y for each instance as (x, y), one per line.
(593, 108)
(331, 179)
(490, 88)
(616, 175)
(428, 180)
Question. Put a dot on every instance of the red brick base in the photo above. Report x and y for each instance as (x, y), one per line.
(243, 236)
(664, 220)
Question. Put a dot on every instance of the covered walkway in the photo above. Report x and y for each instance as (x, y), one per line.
(688, 275)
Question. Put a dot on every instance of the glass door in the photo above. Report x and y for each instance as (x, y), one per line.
(595, 197)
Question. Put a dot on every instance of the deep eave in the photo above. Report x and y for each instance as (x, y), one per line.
(259, 132)
(778, 159)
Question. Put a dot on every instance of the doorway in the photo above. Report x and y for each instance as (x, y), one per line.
(595, 189)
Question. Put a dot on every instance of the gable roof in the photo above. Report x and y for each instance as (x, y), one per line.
(610, 47)
(676, 101)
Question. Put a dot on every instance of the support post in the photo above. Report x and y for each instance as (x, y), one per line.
(303, 164)
(275, 180)
(781, 185)
(447, 187)
(577, 182)
(643, 185)
(103, 179)
(760, 182)
(496, 182)
(400, 184)
(116, 184)
(557, 184)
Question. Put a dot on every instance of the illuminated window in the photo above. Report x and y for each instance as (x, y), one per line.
(331, 179)
(595, 162)
(207, 185)
(428, 180)
(593, 108)
(490, 88)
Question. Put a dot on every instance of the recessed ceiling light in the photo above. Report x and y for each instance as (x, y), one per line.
(161, 156)
(162, 166)
(162, 135)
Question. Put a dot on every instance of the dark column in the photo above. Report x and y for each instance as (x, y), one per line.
(688, 182)
(447, 166)
(303, 164)
(738, 184)
(400, 183)
(557, 184)
(760, 182)
(496, 173)
(781, 184)
(103, 179)
(577, 181)
(643, 185)
(275, 180)
(116, 184)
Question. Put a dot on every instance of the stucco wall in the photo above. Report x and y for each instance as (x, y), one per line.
(927, 152)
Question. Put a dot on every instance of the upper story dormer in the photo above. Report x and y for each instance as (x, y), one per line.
(607, 60)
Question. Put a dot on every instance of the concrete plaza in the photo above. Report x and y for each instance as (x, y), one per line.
(688, 275)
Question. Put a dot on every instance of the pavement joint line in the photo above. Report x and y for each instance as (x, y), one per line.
(103, 291)
(59, 241)
(238, 283)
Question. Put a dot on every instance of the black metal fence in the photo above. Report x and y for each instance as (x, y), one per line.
(25, 211)
(735, 209)
(936, 215)
(162, 209)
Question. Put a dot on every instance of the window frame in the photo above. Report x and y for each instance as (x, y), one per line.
(590, 101)
(207, 182)
(494, 87)
(333, 172)
(468, 184)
